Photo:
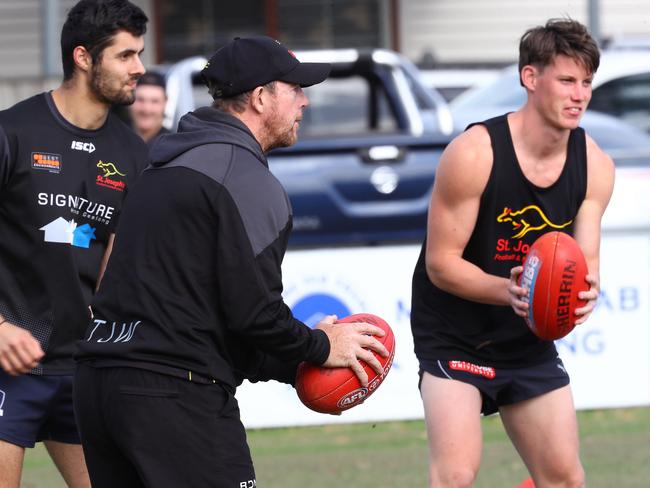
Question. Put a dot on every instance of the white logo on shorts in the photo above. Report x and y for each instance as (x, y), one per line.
(2, 401)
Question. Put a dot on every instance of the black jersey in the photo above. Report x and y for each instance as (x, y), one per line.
(513, 213)
(61, 191)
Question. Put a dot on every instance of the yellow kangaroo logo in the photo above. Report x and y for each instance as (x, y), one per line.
(534, 214)
(109, 169)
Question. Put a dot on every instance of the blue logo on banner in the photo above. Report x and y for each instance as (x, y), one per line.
(312, 308)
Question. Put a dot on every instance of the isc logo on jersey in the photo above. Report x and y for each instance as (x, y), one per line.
(83, 146)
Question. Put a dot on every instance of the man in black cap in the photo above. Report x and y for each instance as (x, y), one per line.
(191, 302)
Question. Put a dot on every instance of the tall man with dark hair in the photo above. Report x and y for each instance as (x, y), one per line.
(476, 353)
(191, 303)
(66, 166)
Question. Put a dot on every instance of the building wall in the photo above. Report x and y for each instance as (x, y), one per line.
(446, 31)
(629, 18)
(20, 36)
(482, 31)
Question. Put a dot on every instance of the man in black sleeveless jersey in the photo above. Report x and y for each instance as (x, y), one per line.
(537, 167)
(66, 166)
(191, 302)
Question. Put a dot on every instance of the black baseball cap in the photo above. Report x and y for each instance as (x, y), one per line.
(248, 62)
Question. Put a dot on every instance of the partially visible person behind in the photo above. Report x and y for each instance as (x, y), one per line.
(66, 166)
(191, 303)
(475, 351)
(148, 110)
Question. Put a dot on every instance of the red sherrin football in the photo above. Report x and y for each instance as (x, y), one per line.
(332, 390)
(554, 272)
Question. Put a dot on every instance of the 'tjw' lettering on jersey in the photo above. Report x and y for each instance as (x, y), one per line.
(103, 332)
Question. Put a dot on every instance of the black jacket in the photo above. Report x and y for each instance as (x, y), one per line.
(195, 280)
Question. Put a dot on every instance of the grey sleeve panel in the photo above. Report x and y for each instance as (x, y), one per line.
(213, 160)
(262, 202)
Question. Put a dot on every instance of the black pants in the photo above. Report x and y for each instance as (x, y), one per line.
(140, 428)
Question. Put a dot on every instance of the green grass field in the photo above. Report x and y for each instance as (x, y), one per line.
(615, 453)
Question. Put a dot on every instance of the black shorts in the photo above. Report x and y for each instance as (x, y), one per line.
(501, 386)
(36, 408)
(142, 428)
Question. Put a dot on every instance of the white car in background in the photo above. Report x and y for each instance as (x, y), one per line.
(451, 82)
(621, 88)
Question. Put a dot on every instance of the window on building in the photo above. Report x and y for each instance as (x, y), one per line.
(189, 29)
(199, 27)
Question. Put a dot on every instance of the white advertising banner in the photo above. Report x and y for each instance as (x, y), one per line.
(608, 357)
(344, 281)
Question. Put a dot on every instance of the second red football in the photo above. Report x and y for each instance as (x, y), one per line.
(333, 390)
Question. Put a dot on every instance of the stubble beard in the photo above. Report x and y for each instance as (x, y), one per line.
(102, 85)
(284, 140)
(279, 137)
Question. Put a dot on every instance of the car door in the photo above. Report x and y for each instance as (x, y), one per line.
(627, 98)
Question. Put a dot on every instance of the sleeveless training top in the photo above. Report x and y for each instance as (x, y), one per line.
(513, 213)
